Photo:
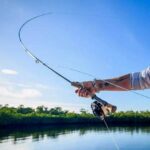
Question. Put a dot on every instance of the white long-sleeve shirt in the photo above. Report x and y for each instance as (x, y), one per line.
(141, 80)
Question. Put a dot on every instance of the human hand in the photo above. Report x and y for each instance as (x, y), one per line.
(85, 89)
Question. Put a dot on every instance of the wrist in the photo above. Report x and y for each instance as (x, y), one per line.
(100, 85)
(97, 85)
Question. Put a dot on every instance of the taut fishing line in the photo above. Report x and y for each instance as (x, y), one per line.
(38, 60)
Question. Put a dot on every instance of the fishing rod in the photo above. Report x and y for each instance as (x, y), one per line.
(38, 60)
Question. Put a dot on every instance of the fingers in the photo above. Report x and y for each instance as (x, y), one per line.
(85, 89)
(83, 92)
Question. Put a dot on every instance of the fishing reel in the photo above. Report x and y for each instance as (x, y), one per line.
(101, 110)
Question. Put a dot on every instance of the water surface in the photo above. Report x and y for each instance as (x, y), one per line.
(74, 138)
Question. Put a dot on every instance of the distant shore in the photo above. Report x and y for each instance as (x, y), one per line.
(26, 116)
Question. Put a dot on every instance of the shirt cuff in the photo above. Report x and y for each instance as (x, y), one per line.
(135, 81)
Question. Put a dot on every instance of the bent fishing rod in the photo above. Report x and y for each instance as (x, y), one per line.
(38, 60)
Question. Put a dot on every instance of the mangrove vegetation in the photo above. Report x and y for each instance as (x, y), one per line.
(22, 116)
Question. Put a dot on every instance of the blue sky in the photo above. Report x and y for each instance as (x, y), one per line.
(103, 38)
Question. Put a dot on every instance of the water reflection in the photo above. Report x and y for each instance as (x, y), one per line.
(53, 132)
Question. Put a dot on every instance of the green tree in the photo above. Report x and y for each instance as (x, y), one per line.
(83, 111)
(21, 109)
(42, 109)
(57, 111)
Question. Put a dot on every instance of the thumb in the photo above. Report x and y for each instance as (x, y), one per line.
(77, 84)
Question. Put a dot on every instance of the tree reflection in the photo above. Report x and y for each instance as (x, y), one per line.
(39, 133)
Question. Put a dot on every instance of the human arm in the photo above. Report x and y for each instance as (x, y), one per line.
(132, 81)
(92, 87)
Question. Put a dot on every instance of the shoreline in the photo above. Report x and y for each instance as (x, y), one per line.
(27, 116)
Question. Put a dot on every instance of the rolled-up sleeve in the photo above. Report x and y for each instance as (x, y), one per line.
(141, 80)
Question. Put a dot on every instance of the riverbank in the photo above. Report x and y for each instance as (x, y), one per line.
(10, 116)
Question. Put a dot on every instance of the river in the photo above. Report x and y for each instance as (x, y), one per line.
(75, 137)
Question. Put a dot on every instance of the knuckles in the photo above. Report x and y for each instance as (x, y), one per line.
(83, 93)
(86, 90)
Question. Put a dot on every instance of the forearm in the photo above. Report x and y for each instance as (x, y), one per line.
(122, 83)
(132, 81)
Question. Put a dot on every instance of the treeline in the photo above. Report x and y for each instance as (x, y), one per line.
(130, 118)
(43, 116)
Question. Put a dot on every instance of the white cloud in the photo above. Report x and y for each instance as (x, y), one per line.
(16, 93)
(9, 72)
(41, 86)
(24, 85)
(30, 93)
(23, 93)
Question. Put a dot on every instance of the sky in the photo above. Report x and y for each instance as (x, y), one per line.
(103, 38)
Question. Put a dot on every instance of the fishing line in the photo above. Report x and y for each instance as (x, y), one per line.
(113, 139)
(75, 70)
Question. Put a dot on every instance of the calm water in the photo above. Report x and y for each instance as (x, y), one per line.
(75, 138)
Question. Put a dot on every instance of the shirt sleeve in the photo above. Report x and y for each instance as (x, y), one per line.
(141, 80)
